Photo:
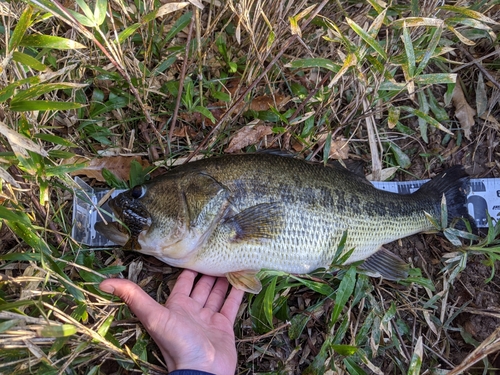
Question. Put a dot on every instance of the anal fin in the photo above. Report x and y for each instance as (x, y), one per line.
(386, 265)
(245, 280)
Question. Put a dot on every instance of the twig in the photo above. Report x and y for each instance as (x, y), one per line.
(488, 346)
(372, 140)
(270, 333)
(480, 66)
(475, 61)
(311, 94)
(181, 84)
(228, 113)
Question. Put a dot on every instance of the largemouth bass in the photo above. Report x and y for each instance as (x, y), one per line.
(235, 215)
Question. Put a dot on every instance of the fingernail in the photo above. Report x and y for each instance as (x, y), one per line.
(107, 288)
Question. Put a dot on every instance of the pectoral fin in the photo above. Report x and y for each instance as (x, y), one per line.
(385, 264)
(245, 280)
(262, 221)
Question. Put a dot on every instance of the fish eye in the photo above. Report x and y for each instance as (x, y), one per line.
(138, 191)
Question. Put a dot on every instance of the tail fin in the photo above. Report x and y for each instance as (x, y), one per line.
(454, 184)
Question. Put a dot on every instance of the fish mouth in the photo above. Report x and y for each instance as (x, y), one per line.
(132, 220)
(113, 231)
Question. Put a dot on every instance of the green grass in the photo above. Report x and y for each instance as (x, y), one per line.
(173, 82)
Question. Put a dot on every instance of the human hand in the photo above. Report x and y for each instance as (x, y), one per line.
(194, 330)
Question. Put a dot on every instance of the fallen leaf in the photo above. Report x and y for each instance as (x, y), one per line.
(463, 111)
(339, 147)
(170, 8)
(6, 176)
(20, 143)
(246, 136)
(481, 96)
(385, 174)
(119, 165)
(185, 132)
(264, 102)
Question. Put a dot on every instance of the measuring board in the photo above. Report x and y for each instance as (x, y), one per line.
(484, 196)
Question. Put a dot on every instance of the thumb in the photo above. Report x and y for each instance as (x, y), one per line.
(141, 304)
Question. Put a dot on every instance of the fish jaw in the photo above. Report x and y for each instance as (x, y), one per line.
(134, 216)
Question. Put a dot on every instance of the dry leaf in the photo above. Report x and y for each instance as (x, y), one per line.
(20, 143)
(264, 102)
(119, 165)
(463, 111)
(246, 136)
(339, 149)
(170, 8)
(6, 176)
(385, 174)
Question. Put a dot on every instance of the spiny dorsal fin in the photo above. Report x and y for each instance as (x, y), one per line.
(386, 265)
(245, 280)
(261, 221)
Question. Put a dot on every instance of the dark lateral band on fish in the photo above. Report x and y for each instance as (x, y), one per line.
(237, 214)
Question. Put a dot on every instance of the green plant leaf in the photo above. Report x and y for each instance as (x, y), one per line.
(49, 41)
(21, 28)
(28, 60)
(127, 32)
(345, 349)
(318, 287)
(100, 11)
(416, 358)
(85, 21)
(469, 13)
(205, 112)
(43, 88)
(60, 330)
(314, 63)
(104, 328)
(410, 53)
(402, 159)
(54, 139)
(429, 51)
(267, 303)
(367, 38)
(86, 10)
(42, 105)
(435, 78)
(426, 117)
(344, 291)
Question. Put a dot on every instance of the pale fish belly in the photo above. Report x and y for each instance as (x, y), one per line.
(304, 245)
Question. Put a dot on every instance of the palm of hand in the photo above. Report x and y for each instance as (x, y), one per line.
(194, 330)
(204, 337)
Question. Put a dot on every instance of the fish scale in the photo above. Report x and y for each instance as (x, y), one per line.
(235, 215)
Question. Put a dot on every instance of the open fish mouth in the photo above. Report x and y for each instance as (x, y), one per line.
(133, 219)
